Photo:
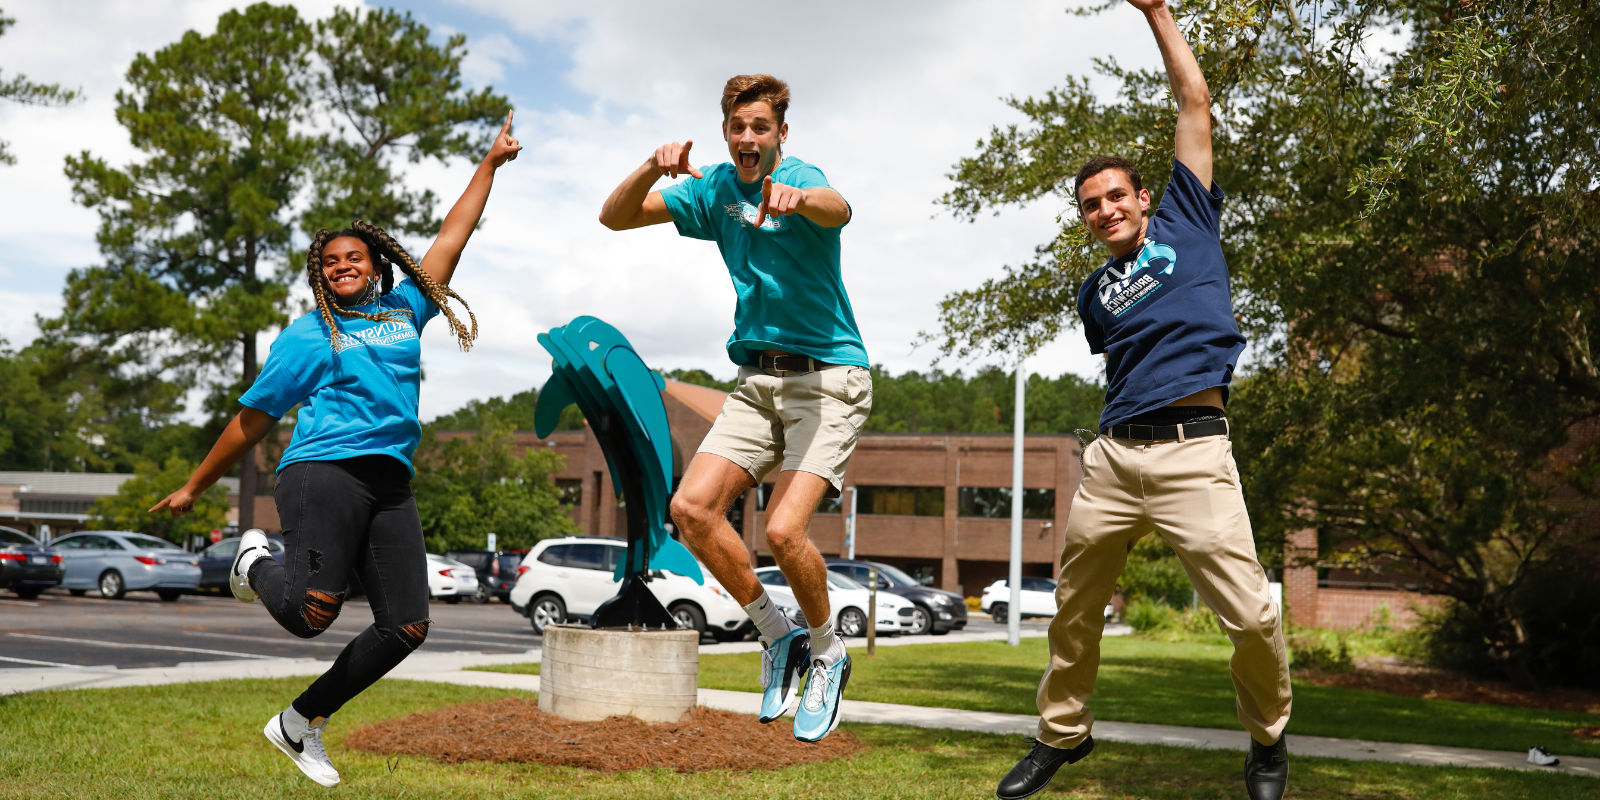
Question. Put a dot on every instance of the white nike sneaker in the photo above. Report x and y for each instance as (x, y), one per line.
(252, 545)
(1541, 757)
(307, 753)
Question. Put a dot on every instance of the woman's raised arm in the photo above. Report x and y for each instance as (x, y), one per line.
(441, 259)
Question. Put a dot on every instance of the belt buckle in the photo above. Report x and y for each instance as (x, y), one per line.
(1144, 432)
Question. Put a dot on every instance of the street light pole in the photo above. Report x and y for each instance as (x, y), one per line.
(850, 524)
(1014, 610)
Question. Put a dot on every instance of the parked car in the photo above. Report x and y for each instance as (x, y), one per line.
(568, 578)
(497, 572)
(848, 601)
(118, 562)
(937, 611)
(1038, 599)
(216, 560)
(27, 567)
(450, 580)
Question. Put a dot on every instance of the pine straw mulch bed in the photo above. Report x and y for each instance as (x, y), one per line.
(515, 730)
(1434, 684)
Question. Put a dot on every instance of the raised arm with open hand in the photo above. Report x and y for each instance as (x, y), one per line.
(441, 259)
(1192, 143)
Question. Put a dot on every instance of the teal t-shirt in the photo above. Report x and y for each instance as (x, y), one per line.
(786, 274)
(359, 401)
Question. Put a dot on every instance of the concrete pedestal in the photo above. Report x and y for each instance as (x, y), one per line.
(592, 674)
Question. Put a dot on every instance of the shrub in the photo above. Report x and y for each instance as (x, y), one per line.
(1328, 651)
(1146, 615)
(1153, 572)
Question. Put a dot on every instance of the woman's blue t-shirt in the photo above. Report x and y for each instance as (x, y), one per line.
(786, 273)
(359, 401)
(1163, 314)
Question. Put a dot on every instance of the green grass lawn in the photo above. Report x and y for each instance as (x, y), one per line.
(203, 740)
(1172, 683)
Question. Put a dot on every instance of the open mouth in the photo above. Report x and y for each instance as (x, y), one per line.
(347, 279)
(749, 160)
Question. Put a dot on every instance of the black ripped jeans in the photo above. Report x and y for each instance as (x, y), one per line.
(352, 515)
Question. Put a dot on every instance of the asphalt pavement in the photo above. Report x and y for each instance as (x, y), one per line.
(58, 630)
(141, 630)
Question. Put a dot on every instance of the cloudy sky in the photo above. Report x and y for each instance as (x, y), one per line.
(887, 97)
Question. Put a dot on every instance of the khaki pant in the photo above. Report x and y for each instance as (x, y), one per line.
(1188, 492)
(800, 421)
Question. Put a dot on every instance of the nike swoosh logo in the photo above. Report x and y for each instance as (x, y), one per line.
(299, 747)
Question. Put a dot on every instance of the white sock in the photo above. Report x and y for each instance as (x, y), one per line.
(825, 645)
(768, 619)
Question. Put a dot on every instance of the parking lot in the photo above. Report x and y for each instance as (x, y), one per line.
(57, 629)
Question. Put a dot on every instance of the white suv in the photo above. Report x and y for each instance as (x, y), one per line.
(569, 577)
(848, 602)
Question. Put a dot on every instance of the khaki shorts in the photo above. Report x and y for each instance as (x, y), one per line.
(803, 421)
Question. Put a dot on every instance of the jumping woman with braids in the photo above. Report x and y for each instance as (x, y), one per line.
(344, 482)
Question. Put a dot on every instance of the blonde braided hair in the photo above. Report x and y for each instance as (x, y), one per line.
(385, 253)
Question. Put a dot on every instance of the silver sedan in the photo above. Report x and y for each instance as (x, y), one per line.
(118, 562)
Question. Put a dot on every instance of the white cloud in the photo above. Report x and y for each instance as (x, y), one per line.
(887, 97)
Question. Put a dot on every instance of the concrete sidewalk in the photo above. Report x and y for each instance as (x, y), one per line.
(451, 668)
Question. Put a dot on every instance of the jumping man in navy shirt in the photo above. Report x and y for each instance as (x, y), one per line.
(1161, 313)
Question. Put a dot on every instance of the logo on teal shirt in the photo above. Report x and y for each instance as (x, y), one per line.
(746, 213)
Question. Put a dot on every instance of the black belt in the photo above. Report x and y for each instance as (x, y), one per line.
(1155, 433)
(789, 363)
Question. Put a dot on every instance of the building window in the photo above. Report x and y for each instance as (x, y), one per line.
(571, 490)
(990, 503)
(827, 505)
(916, 501)
(41, 506)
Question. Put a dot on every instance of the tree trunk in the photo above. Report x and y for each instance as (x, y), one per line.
(247, 470)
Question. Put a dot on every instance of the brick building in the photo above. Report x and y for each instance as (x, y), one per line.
(934, 505)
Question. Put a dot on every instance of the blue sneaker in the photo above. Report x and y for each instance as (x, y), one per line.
(782, 663)
(819, 710)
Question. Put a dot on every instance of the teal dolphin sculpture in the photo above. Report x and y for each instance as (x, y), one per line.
(594, 366)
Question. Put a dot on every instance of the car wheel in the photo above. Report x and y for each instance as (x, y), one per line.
(169, 595)
(688, 617)
(483, 594)
(999, 613)
(452, 599)
(112, 586)
(77, 592)
(921, 621)
(852, 622)
(546, 610)
(28, 593)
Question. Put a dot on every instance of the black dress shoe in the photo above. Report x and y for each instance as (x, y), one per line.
(1036, 769)
(1266, 770)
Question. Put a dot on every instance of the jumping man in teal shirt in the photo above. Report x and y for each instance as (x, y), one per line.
(804, 388)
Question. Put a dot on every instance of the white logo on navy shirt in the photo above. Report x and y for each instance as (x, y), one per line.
(1119, 292)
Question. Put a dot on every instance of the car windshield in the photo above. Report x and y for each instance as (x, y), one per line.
(841, 582)
(772, 578)
(897, 576)
(8, 536)
(139, 540)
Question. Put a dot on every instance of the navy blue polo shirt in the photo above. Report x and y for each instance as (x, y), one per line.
(1163, 314)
